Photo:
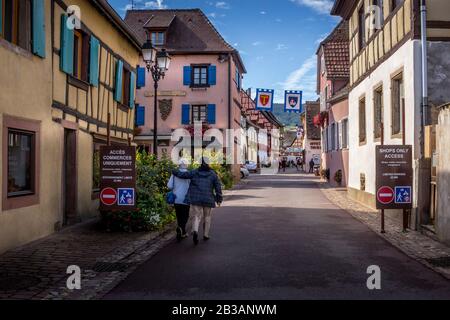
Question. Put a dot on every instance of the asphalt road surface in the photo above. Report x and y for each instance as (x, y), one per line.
(280, 238)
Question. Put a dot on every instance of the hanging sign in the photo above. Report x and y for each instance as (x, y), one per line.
(394, 177)
(264, 99)
(293, 101)
(117, 178)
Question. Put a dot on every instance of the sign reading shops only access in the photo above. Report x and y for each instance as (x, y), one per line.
(394, 177)
(117, 178)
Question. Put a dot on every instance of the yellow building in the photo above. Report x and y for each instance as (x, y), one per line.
(60, 77)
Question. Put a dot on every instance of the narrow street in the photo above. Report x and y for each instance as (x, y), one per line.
(278, 237)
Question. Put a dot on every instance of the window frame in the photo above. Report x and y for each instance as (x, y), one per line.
(81, 55)
(362, 41)
(345, 134)
(21, 33)
(362, 116)
(156, 33)
(193, 111)
(378, 134)
(395, 79)
(32, 127)
(200, 66)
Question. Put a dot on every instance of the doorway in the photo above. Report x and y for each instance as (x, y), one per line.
(70, 177)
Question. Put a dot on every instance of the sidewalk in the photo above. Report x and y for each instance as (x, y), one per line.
(422, 248)
(37, 271)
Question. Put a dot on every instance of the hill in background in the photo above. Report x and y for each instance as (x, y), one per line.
(287, 119)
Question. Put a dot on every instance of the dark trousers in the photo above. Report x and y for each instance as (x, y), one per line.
(182, 212)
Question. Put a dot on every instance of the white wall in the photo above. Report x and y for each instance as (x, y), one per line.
(362, 157)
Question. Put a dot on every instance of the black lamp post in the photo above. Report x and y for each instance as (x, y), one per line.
(157, 64)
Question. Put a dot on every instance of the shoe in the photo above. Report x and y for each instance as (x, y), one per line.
(179, 234)
(205, 238)
(185, 235)
(195, 238)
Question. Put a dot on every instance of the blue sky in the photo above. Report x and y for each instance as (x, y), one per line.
(277, 39)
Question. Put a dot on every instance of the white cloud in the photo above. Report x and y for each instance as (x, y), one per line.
(281, 46)
(304, 78)
(257, 43)
(158, 4)
(222, 5)
(321, 6)
(263, 12)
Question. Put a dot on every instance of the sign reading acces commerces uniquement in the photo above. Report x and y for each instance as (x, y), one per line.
(117, 178)
(394, 179)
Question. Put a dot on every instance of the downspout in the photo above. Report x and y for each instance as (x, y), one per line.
(423, 181)
(229, 91)
(424, 110)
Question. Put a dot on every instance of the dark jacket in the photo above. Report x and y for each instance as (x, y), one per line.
(205, 189)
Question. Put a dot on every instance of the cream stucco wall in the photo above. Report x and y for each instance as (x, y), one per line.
(28, 89)
(26, 82)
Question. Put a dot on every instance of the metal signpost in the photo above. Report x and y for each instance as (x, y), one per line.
(394, 179)
(118, 178)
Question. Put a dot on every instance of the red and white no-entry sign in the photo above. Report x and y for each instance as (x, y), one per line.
(108, 196)
(385, 195)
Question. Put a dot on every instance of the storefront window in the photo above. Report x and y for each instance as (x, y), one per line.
(20, 163)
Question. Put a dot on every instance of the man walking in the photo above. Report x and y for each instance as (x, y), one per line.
(311, 166)
(205, 191)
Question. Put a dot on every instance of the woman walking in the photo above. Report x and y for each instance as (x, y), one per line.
(180, 188)
(205, 191)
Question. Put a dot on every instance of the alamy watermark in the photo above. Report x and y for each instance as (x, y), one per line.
(374, 280)
(74, 280)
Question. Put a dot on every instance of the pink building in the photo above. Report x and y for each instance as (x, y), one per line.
(332, 84)
(203, 82)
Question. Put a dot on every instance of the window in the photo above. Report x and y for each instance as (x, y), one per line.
(362, 28)
(158, 38)
(345, 134)
(199, 113)
(397, 104)
(378, 112)
(200, 76)
(362, 121)
(16, 17)
(126, 87)
(81, 55)
(20, 170)
(20, 163)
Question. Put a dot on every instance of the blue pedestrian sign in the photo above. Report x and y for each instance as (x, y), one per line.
(126, 197)
(403, 195)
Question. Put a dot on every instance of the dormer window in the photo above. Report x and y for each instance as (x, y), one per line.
(158, 38)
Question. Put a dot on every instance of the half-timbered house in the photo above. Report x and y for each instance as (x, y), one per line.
(61, 76)
(386, 95)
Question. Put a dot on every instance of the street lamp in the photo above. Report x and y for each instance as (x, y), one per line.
(157, 64)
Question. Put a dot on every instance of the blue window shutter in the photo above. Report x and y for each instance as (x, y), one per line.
(140, 77)
(118, 83)
(94, 61)
(67, 39)
(212, 77)
(132, 89)
(39, 28)
(211, 114)
(185, 114)
(187, 76)
(140, 116)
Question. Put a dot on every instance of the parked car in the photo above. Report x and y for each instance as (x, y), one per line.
(251, 166)
(244, 172)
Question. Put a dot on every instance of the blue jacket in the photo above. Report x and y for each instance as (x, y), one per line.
(205, 189)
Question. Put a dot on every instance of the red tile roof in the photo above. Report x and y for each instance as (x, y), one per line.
(336, 52)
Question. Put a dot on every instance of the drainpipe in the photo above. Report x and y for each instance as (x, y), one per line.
(424, 111)
(229, 91)
(422, 216)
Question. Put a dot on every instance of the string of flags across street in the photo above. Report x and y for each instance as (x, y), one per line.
(293, 100)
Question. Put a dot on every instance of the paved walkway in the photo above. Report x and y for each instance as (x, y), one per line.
(279, 237)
